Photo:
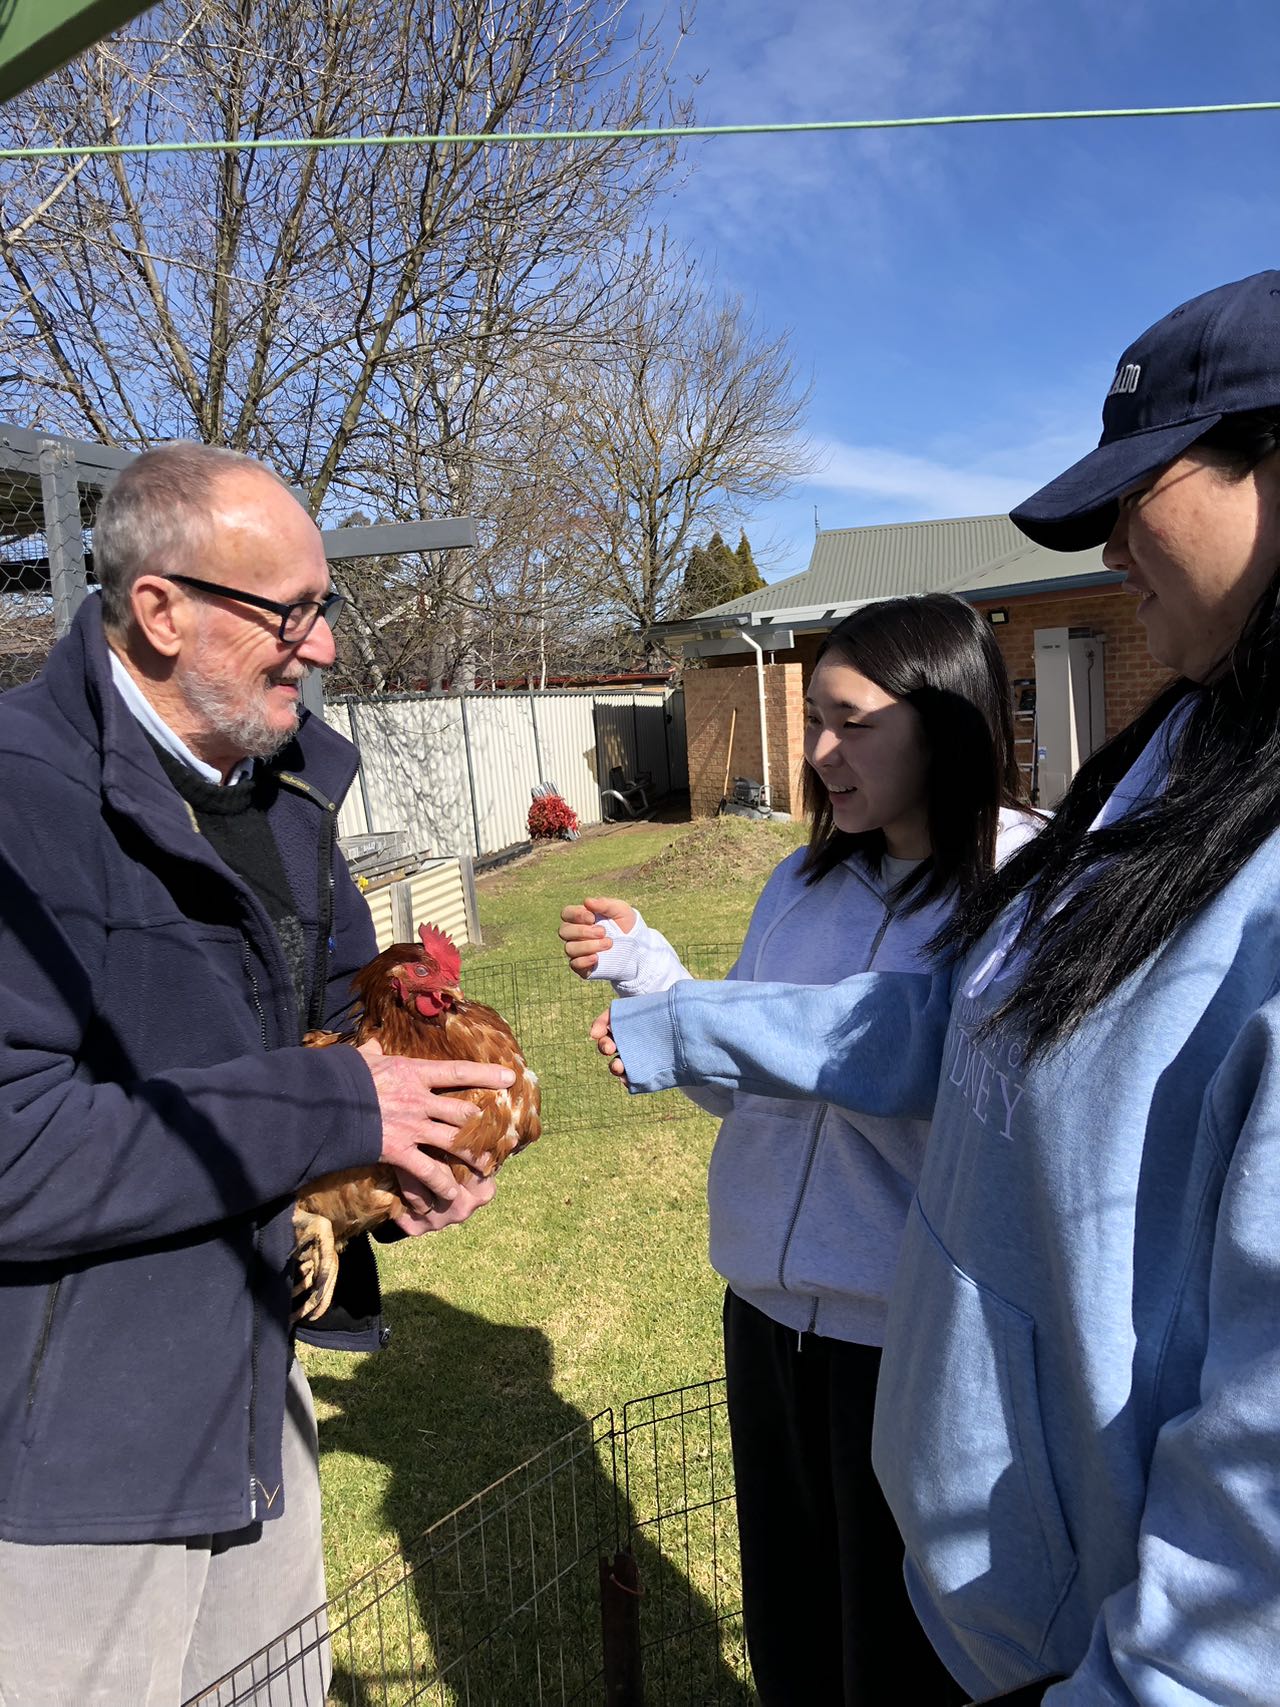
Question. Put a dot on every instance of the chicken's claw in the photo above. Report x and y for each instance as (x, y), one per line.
(316, 1255)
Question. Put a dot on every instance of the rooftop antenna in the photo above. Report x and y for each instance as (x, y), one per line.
(817, 526)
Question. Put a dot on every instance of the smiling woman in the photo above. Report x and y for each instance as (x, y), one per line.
(913, 794)
(868, 751)
(1076, 1426)
(1199, 541)
(909, 743)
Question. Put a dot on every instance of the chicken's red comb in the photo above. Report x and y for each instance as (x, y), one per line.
(441, 948)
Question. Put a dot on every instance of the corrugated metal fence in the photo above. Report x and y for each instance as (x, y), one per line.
(455, 770)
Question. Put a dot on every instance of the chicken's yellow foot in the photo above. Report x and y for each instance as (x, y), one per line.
(316, 1255)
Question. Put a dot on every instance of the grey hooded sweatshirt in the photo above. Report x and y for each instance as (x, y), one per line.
(808, 1201)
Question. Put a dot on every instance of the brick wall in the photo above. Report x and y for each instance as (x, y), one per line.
(1132, 676)
(717, 701)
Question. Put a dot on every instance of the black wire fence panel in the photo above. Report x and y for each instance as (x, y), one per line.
(604, 1571)
(681, 1510)
(496, 1603)
(550, 1010)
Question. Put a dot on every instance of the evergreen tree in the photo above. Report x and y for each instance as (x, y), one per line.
(724, 568)
(698, 584)
(750, 579)
(714, 574)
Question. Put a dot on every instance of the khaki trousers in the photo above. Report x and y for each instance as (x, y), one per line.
(153, 1624)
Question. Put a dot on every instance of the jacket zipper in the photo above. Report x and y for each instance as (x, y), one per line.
(253, 1396)
(812, 1154)
(253, 1342)
(253, 989)
(324, 929)
(322, 948)
(42, 1346)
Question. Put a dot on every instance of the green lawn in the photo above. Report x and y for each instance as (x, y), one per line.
(585, 1285)
(696, 882)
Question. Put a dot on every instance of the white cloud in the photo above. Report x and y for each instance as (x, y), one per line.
(813, 59)
(918, 484)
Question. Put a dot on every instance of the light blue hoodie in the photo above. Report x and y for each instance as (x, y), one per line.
(1078, 1424)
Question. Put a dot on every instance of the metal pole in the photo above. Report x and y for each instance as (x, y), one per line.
(537, 744)
(359, 747)
(764, 725)
(60, 495)
(467, 869)
(620, 1594)
(313, 692)
(471, 773)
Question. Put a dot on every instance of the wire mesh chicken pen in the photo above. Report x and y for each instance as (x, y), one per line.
(602, 1570)
(551, 1013)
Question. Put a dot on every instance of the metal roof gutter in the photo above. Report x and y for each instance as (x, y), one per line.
(735, 622)
(813, 617)
(1058, 584)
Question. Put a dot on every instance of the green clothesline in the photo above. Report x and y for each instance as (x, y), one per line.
(503, 139)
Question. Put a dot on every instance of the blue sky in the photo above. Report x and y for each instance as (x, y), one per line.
(960, 297)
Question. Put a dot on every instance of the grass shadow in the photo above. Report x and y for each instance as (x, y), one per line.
(503, 1498)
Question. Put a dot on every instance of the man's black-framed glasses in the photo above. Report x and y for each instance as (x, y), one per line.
(296, 620)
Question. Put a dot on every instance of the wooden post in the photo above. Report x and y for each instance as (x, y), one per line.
(620, 1594)
(728, 758)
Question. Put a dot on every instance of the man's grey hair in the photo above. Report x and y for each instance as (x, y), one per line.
(156, 518)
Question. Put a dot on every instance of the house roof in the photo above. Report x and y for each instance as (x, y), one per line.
(977, 556)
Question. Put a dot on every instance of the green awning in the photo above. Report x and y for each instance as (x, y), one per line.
(37, 36)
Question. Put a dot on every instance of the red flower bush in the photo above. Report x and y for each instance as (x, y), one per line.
(550, 816)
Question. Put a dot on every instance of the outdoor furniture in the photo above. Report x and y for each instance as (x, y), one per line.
(626, 791)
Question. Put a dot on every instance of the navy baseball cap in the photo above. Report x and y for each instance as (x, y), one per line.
(1217, 355)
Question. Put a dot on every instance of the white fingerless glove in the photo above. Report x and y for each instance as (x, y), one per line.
(638, 962)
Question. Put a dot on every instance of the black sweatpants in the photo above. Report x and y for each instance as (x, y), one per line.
(828, 1621)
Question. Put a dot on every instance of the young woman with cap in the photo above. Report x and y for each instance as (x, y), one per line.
(913, 791)
(1078, 1421)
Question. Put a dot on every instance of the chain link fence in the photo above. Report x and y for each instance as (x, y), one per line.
(49, 493)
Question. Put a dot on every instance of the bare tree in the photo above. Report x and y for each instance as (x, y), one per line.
(693, 414)
(270, 301)
(401, 332)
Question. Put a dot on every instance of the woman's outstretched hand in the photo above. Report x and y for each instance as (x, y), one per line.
(602, 1037)
(584, 937)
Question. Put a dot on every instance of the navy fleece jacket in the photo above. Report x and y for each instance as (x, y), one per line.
(156, 1118)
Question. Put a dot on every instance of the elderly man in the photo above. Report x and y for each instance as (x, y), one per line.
(174, 914)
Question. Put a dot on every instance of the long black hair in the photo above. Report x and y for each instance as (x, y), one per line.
(1125, 889)
(939, 655)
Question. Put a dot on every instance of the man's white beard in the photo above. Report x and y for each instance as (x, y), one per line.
(246, 728)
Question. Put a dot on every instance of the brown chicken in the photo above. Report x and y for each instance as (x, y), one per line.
(412, 1005)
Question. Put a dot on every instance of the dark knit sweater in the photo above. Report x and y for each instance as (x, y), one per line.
(233, 818)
